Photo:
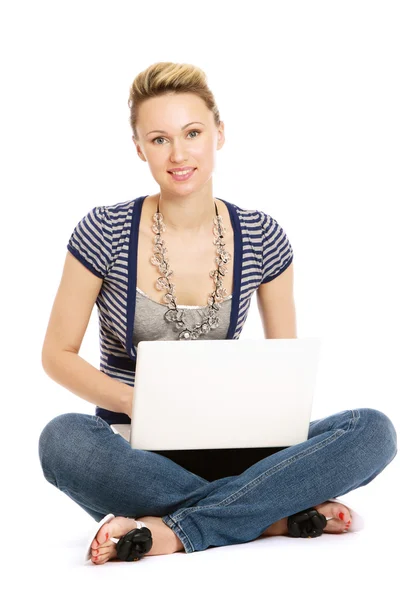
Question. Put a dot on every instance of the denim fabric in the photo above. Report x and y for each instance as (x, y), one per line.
(98, 469)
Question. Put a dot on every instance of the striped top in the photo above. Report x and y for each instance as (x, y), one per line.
(106, 242)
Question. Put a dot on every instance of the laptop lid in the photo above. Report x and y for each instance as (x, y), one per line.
(223, 394)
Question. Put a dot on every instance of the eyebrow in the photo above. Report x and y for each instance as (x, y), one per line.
(184, 127)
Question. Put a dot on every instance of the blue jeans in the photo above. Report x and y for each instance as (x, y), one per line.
(98, 469)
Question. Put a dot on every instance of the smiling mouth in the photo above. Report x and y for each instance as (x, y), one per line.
(182, 172)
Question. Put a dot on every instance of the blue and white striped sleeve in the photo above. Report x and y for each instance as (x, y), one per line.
(276, 249)
(91, 241)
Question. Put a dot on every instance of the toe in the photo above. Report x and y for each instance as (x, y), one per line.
(95, 544)
(103, 534)
(98, 558)
(337, 515)
(341, 512)
(107, 547)
(334, 510)
(334, 526)
(107, 554)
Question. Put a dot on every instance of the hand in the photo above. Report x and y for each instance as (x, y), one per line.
(128, 402)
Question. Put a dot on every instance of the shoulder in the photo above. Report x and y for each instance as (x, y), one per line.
(115, 219)
(249, 218)
(117, 213)
(257, 222)
(99, 235)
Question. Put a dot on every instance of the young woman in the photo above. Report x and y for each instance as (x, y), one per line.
(136, 260)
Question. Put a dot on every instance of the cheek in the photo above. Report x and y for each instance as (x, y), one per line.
(204, 152)
(157, 160)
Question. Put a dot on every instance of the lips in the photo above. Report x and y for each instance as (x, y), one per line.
(182, 176)
(183, 169)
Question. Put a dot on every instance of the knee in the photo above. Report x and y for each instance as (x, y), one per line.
(381, 432)
(56, 435)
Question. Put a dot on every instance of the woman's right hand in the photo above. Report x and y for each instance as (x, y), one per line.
(128, 402)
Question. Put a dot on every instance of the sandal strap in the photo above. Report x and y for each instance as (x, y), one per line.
(139, 525)
(134, 544)
(307, 523)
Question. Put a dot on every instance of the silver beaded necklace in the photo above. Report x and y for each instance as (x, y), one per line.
(211, 320)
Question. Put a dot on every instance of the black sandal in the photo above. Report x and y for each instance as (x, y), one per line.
(134, 544)
(306, 523)
(131, 546)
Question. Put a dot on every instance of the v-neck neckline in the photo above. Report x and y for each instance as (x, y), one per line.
(132, 271)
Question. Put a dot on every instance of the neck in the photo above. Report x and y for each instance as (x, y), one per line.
(187, 216)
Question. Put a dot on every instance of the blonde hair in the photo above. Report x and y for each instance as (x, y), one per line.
(165, 78)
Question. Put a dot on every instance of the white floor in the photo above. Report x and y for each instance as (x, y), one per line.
(45, 536)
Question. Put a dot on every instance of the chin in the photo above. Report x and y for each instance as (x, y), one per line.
(181, 187)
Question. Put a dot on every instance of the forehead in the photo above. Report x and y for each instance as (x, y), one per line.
(173, 110)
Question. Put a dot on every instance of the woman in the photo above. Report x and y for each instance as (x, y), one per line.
(185, 228)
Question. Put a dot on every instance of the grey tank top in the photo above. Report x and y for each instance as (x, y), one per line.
(150, 324)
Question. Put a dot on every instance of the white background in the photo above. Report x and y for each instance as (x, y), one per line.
(309, 94)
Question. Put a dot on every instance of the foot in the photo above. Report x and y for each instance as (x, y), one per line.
(338, 516)
(164, 539)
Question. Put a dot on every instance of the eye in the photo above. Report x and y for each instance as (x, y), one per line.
(161, 138)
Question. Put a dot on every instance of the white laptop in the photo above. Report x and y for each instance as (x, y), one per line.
(218, 406)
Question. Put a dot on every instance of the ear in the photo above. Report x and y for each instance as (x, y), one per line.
(138, 150)
(221, 135)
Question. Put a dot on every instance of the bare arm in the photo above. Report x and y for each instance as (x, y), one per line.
(275, 300)
(68, 322)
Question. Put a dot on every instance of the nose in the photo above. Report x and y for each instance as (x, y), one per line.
(178, 153)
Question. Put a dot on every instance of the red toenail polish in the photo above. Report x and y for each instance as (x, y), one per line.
(341, 516)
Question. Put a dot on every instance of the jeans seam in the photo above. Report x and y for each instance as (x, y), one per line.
(354, 420)
(99, 421)
(249, 486)
(182, 533)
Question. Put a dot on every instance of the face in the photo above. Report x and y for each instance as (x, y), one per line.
(194, 146)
